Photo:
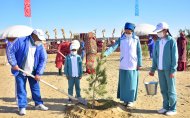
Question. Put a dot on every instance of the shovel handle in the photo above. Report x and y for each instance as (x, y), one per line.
(27, 73)
(41, 80)
(61, 54)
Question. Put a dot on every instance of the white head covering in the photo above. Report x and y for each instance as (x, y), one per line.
(75, 44)
(161, 26)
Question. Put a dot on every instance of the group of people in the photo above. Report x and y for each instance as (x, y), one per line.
(164, 59)
(28, 53)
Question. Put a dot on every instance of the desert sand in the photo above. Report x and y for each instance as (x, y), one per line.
(145, 106)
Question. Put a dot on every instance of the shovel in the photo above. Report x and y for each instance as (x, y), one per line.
(81, 100)
(61, 54)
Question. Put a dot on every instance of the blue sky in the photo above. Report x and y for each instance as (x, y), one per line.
(86, 15)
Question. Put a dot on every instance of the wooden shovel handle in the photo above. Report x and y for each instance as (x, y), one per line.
(61, 54)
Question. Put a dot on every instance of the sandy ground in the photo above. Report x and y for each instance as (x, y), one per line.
(145, 107)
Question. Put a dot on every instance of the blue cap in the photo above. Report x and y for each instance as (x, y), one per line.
(130, 26)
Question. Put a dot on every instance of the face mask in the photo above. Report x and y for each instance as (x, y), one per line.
(74, 52)
(38, 43)
(150, 37)
(160, 34)
(128, 35)
(58, 42)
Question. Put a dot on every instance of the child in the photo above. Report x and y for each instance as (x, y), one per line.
(73, 70)
(165, 57)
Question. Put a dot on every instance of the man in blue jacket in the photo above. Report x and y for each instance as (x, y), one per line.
(28, 53)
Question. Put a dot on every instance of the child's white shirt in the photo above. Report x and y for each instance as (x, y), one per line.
(74, 66)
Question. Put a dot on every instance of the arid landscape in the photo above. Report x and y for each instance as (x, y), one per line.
(107, 107)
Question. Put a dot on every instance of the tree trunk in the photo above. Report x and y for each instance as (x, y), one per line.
(93, 97)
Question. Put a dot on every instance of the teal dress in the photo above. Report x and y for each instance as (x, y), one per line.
(127, 85)
(128, 78)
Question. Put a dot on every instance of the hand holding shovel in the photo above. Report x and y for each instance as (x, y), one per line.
(81, 100)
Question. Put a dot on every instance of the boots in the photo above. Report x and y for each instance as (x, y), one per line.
(60, 72)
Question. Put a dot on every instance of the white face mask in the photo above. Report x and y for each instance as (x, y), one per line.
(150, 37)
(128, 35)
(58, 42)
(160, 34)
(74, 52)
(38, 43)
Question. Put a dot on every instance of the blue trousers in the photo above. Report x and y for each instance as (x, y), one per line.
(151, 53)
(71, 82)
(168, 90)
(21, 90)
(82, 54)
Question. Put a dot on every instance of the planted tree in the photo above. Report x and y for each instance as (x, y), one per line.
(97, 81)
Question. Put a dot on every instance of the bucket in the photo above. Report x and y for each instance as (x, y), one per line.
(151, 87)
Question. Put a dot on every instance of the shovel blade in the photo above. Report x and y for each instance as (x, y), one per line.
(82, 101)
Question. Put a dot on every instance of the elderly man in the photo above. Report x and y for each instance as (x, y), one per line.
(28, 53)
